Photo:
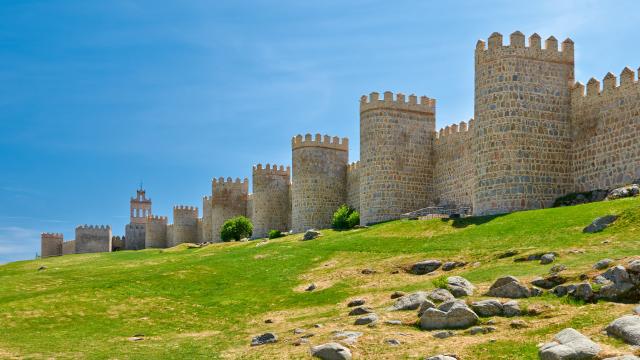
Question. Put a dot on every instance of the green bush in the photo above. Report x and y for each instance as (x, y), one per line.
(345, 218)
(274, 234)
(236, 228)
(440, 282)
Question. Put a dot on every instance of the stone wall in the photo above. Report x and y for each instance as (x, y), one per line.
(51, 244)
(117, 243)
(229, 199)
(353, 185)
(134, 236)
(319, 180)
(93, 239)
(606, 131)
(185, 228)
(270, 199)
(206, 231)
(522, 137)
(396, 142)
(454, 172)
(156, 232)
(69, 247)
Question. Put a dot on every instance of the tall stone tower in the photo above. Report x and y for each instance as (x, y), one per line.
(319, 180)
(271, 206)
(156, 232)
(521, 146)
(185, 230)
(139, 210)
(396, 142)
(206, 232)
(228, 199)
(51, 244)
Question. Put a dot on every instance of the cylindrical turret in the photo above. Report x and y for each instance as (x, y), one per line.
(270, 203)
(319, 180)
(396, 168)
(185, 228)
(156, 232)
(51, 244)
(521, 146)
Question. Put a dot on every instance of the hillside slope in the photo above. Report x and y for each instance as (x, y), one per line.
(209, 302)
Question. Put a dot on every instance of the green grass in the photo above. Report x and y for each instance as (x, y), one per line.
(208, 302)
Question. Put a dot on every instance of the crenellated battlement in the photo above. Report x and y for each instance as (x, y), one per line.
(221, 184)
(453, 131)
(399, 102)
(185, 208)
(354, 166)
(93, 227)
(47, 235)
(325, 141)
(494, 48)
(271, 170)
(157, 219)
(610, 86)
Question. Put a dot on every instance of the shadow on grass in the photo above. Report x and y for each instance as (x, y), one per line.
(463, 222)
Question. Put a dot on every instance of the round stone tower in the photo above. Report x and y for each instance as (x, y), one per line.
(156, 232)
(319, 183)
(51, 244)
(185, 230)
(521, 141)
(396, 139)
(271, 206)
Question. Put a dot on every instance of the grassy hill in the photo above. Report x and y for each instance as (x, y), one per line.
(209, 302)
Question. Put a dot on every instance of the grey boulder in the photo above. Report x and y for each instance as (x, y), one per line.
(485, 308)
(569, 344)
(409, 302)
(311, 234)
(626, 328)
(457, 317)
(440, 295)
(331, 351)
(547, 258)
(599, 224)
(459, 286)
(509, 287)
(441, 357)
(425, 267)
(603, 264)
(360, 310)
(266, 338)
(511, 308)
(366, 320)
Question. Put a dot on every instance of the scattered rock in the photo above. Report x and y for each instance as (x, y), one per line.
(518, 324)
(547, 259)
(443, 334)
(136, 338)
(634, 266)
(298, 331)
(409, 302)
(393, 322)
(440, 295)
(622, 192)
(266, 338)
(557, 268)
(368, 272)
(366, 320)
(441, 357)
(317, 326)
(511, 308)
(356, 302)
(549, 282)
(509, 287)
(603, 264)
(268, 321)
(300, 341)
(360, 310)
(486, 308)
(311, 287)
(331, 351)
(562, 290)
(425, 305)
(450, 265)
(583, 292)
(42, 268)
(458, 316)
(507, 254)
(448, 305)
(311, 234)
(569, 344)
(392, 342)
(459, 286)
(626, 328)
(600, 224)
(623, 357)
(425, 267)
(349, 337)
(397, 294)
(475, 330)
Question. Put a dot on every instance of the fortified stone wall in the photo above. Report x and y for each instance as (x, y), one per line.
(51, 244)
(454, 172)
(606, 132)
(117, 243)
(319, 180)
(69, 247)
(134, 236)
(270, 199)
(353, 185)
(250, 207)
(156, 234)
(396, 166)
(185, 228)
(229, 199)
(93, 239)
(522, 137)
(206, 232)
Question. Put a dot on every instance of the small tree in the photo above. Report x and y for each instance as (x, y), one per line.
(236, 228)
(345, 218)
(274, 234)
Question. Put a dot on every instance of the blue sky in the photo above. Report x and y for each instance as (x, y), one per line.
(96, 96)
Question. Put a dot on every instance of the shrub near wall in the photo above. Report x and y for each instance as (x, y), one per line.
(236, 228)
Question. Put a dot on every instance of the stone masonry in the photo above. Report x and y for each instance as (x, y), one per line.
(536, 135)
